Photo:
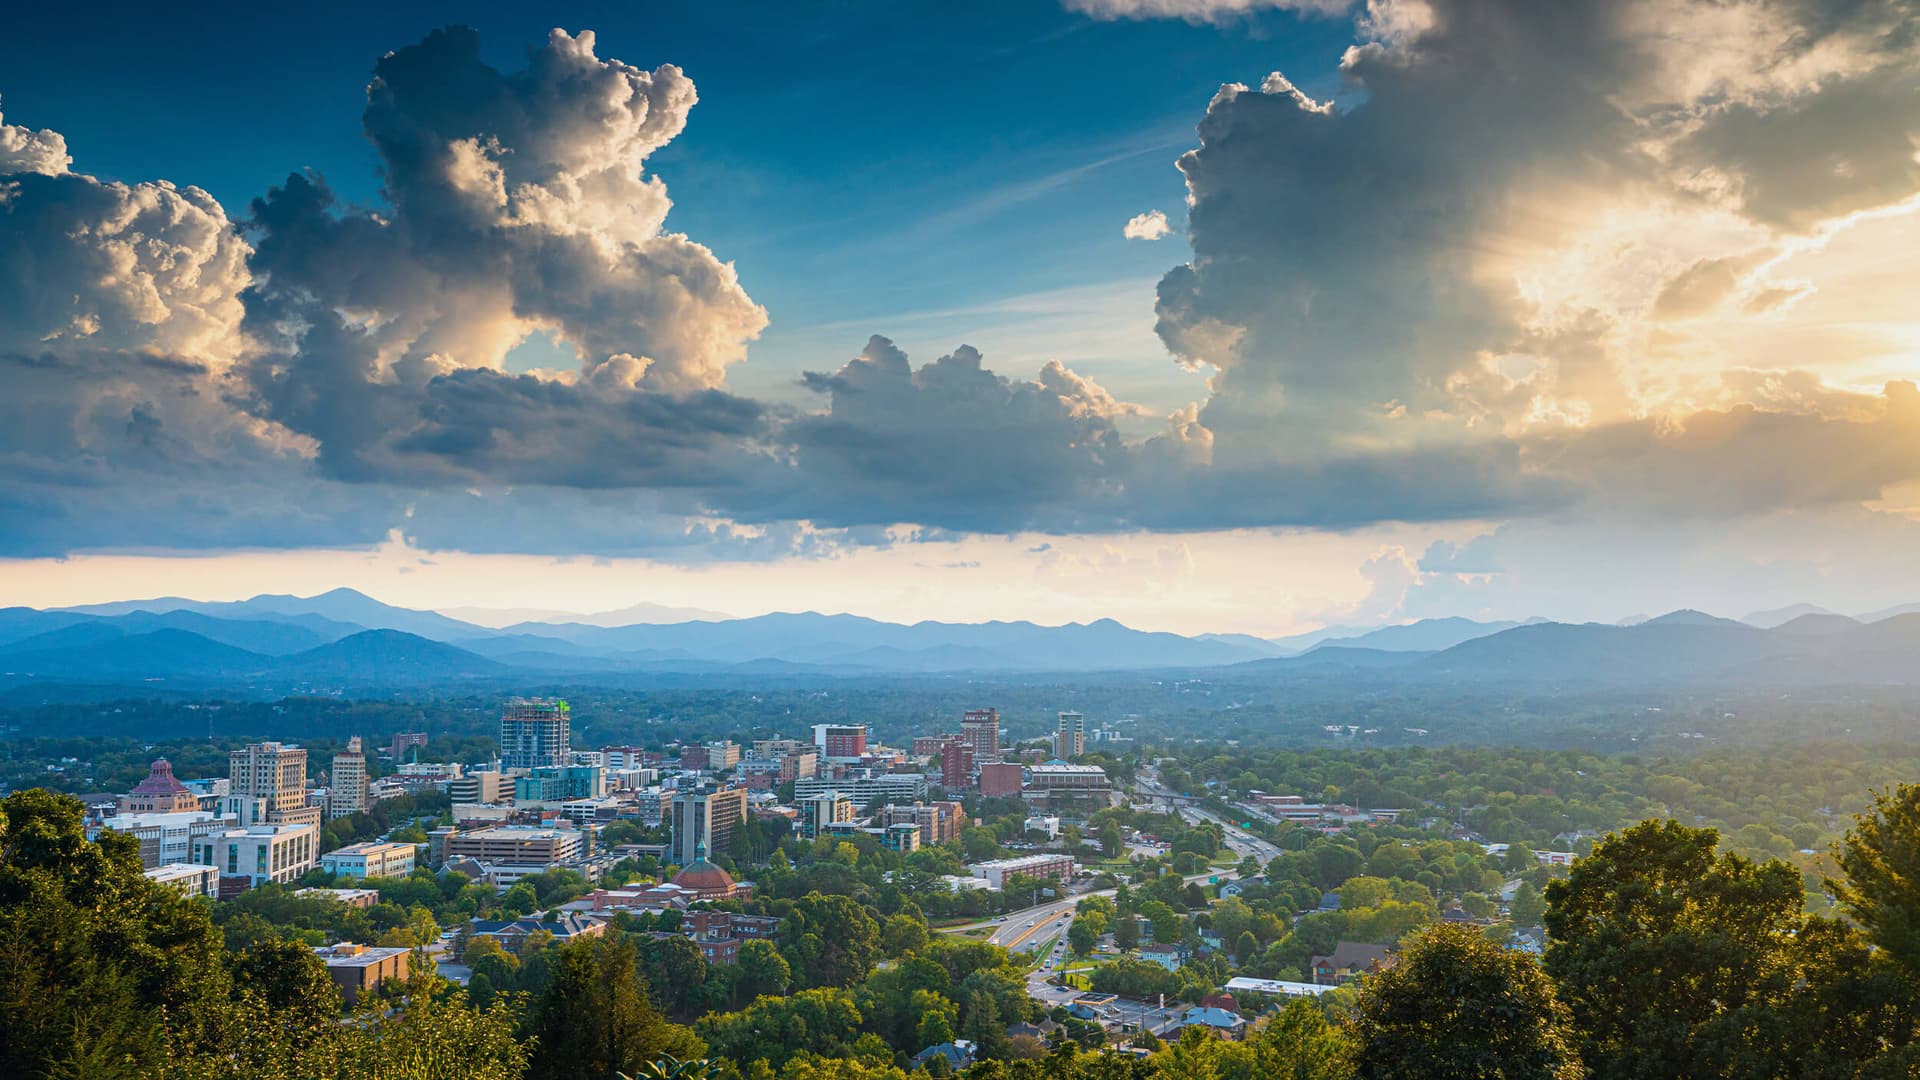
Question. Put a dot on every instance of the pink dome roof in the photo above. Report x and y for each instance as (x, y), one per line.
(160, 780)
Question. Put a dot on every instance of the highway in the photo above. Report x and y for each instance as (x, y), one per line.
(1043, 929)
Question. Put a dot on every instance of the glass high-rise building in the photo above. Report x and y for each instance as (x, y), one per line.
(535, 733)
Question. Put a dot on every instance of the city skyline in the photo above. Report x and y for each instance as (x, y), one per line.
(1327, 314)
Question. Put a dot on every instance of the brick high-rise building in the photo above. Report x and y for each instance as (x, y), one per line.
(956, 764)
(347, 782)
(534, 733)
(980, 730)
(703, 822)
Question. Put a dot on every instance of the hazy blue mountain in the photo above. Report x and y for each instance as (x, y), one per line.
(356, 610)
(25, 622)
(1426, 635)
(1774, 617)
(374, 656)
(269, 636)
(1295, 644)
(1690, 617)
(1887, 613)
(72, 635)
(626, 616)
(1818, 622)
(1658, 649)
(813, 638)
(161, 654)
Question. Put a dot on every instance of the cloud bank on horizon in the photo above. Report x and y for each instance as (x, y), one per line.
(1532, 264)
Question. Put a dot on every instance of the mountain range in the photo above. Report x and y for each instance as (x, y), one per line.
(345, 639)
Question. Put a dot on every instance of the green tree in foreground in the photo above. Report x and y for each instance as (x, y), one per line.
(595, 1016)
(1672, 958)
(1456, 1007)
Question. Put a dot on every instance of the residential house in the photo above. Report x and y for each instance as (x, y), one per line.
(959, 1054)
(1348, 961)
(1222, 1022)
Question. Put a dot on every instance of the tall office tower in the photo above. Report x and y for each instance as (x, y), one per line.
(535, 733)
(268, 785)
(840, 742)
(703, 822)
(347, 783)
(1070, 739)
(980, 730)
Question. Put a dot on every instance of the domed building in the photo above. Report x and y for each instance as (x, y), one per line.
(159, 793)
(708, 882)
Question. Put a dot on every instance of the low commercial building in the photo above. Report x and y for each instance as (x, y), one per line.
(262, 853)
(866, 787)
(370, 860)
(166, 838)
(518, 844)
(1068, 790)
(191, 879)
(353, 898)
(361, 969)
(1057, 868)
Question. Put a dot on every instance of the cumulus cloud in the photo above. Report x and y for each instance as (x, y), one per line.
(24, 150)
(1151, 225)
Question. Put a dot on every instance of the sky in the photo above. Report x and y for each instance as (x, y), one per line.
(1205, 315)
